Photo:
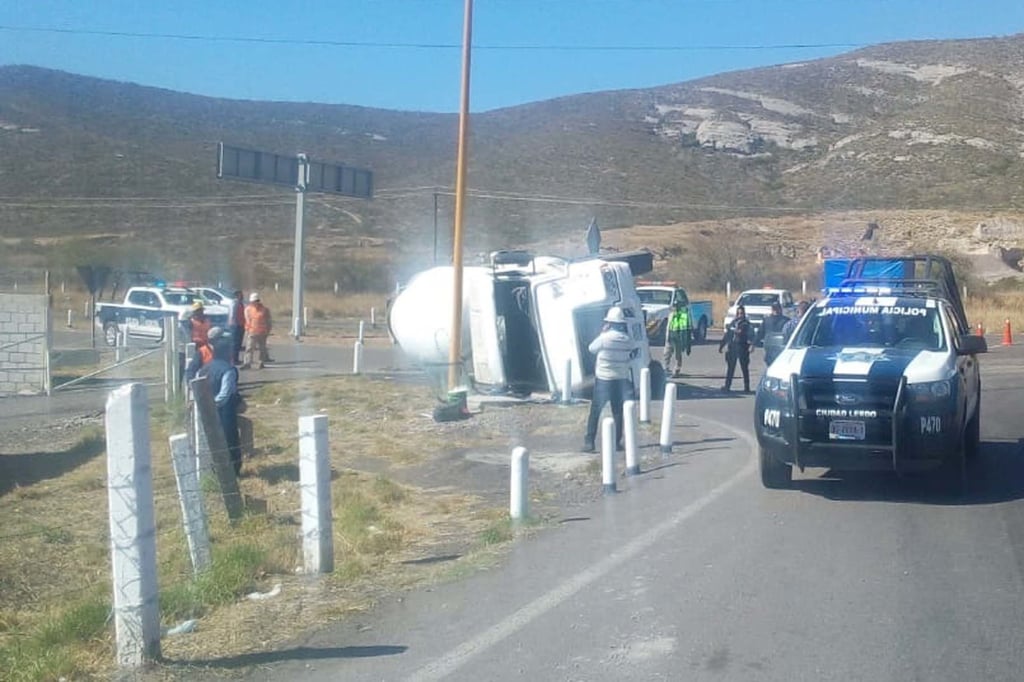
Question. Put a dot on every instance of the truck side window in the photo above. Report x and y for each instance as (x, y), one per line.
(139, 298)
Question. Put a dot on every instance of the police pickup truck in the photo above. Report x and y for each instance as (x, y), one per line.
(881, 374)
(144, 308)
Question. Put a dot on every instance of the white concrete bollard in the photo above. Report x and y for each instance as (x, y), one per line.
(276, 286)
(119, 347)
(608, 454)
(193, 511)
(132, 526)
(803, 287)
(85, 309)
(315, 484)
(519, 485)
(357, 358)
(305, 316)
(728, 293)
(63, 286)
(567, 383)
(335, 288)
(69, 319)
(667, 415)
(629, 433)
(362, 331)
(373, 317)
(645, 396)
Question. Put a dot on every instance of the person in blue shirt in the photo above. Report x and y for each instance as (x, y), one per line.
(223, 377)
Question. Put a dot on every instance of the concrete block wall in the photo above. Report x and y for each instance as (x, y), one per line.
(24, 344)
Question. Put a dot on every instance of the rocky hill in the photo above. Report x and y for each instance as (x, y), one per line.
(93, 166)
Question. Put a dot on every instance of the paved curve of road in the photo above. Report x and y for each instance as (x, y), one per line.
(696, 572)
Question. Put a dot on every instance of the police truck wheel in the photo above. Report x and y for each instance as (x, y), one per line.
(110, 333)
(972, 440)
(775, 474)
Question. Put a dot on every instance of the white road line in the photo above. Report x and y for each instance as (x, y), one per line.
(460, 655)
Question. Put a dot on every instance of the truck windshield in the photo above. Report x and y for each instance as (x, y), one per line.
(654, 296)
(877, 326)
(757, 300)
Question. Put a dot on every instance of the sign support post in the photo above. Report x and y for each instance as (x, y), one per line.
(303, 175)
(300, 243)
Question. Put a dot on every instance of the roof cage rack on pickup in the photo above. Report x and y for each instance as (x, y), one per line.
(925, 276)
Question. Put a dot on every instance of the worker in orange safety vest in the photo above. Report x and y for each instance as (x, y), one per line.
(257, 329)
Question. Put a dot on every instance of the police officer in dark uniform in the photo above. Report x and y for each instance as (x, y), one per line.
(739, 340)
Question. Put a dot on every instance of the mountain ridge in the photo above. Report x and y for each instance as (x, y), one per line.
(897, 126)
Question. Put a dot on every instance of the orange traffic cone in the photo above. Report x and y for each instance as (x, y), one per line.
(981, 329)
(1007, 336)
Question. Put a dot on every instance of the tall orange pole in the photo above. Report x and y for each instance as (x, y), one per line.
(455, 349)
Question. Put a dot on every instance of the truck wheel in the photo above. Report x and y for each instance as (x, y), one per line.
(658, 337)
(702, 330)
(775, 474)
(657, 380)
(972, 439)
(110, 333)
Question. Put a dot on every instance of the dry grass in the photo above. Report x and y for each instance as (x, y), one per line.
(54, 560)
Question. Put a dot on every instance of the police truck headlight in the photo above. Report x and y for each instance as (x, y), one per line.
(928, 391)
(777, 387)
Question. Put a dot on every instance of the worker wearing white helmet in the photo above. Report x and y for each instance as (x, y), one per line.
(615, 351)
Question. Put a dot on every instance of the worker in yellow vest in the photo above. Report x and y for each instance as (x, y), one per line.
(677, 338)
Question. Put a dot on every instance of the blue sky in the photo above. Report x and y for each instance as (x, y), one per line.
(526, 50)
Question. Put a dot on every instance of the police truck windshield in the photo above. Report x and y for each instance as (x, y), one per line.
(851, 323)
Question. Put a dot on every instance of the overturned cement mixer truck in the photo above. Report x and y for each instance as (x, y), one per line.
(526, 320)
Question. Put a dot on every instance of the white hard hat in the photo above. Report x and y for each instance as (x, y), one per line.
(215, 333)
(253, 297)
(615, 315)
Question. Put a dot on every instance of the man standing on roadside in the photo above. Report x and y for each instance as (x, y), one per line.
(739, 340)
(236, 324)
(199, 324)
(615, 351)
(677, 338)
(773, 324)
(790, 327)
(223, 378)
(257, 329)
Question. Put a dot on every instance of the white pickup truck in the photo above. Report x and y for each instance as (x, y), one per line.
(659, 298)
(758, 305)
(144, 308)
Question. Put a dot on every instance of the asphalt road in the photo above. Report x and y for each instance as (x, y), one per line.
(694, 571)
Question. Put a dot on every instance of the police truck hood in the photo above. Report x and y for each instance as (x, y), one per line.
(865, 362)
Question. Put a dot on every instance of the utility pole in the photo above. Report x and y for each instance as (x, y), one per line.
(455, 350)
